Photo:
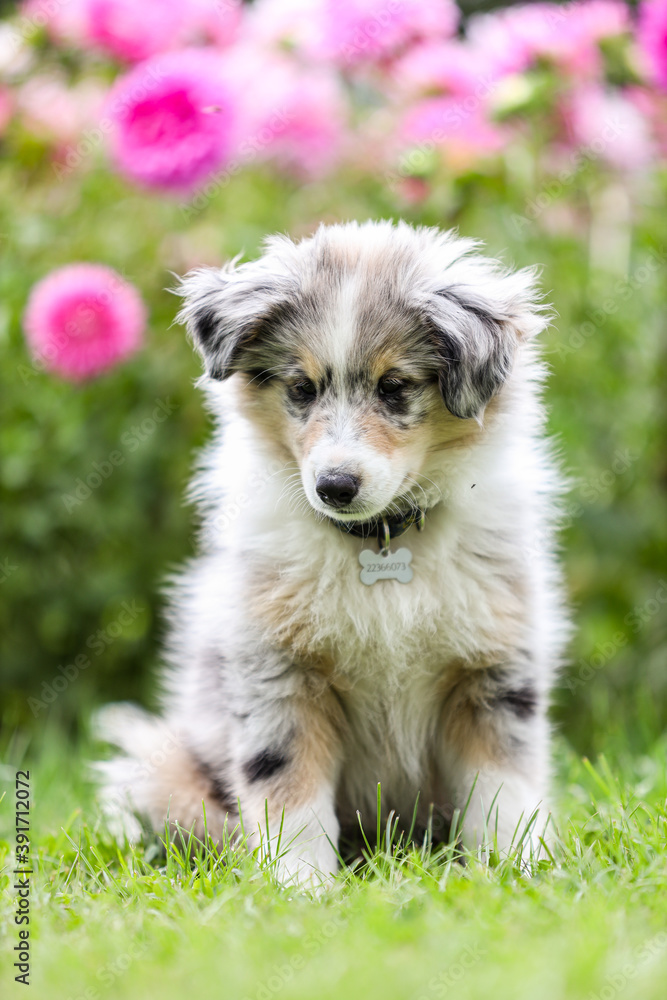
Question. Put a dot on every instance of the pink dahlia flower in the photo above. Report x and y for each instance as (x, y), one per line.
(609, 126)
(291, 25)
(567, 34)
(290, 114)
(652, 35)
(652, 105)
(6, 108)
(123, 29)
(217, 21)
(355, 31)
(54, 110)
(449, 66)
(172, 120)
(61, 21)
(458, 125)
(82, 319)
(132, 30)
(312, 140)
(309, 128)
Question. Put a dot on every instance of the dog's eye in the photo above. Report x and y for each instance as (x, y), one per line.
(304, 389)
(391, 386)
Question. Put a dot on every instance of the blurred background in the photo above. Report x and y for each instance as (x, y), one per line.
(153, 136)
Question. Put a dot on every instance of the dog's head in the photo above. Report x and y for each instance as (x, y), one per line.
(362, 350)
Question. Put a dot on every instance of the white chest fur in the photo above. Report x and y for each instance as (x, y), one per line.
(453, 607)
(471, 565)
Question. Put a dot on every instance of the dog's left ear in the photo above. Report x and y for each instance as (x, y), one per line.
(228, 312)
(476, 326)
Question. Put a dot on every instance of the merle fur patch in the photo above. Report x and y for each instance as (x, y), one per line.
(522, 701)
(219, 792)
(264, 765)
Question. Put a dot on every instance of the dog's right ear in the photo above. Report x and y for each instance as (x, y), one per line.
(228, 310)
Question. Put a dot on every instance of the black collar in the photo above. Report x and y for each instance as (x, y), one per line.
(383, 528)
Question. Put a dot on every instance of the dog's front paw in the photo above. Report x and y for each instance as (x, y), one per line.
(309, 865)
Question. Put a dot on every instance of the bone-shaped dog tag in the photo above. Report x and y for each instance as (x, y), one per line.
(392, 566)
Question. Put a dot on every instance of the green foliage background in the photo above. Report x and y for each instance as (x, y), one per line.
(66, 573)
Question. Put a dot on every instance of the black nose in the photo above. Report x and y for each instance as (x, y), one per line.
(337, 489)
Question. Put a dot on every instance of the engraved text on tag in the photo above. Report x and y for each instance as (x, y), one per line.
(392, 566)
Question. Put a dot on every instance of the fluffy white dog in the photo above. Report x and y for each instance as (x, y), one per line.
(377, 598)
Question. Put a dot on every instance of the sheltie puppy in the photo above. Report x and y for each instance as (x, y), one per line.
(377, 598)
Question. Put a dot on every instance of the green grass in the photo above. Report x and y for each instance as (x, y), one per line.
(111, 921)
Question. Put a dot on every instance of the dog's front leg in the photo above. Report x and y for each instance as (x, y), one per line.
(287, 758)
(495, 754)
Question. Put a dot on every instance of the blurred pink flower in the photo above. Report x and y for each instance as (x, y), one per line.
(133, 30)
(451, 66)
(309, 141)
(652, 35)
(6, 108)
(61, 21)
(568, 34)
(128, 30)
(54, 110)
(173, 120)
(290, 114)
(82, 319)
(292, 25)
(610, 127)
(652, 104)
(354, 31)
(458, 125)
(413, 190)
(216, 21)
(509, 37)
(596, 19)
